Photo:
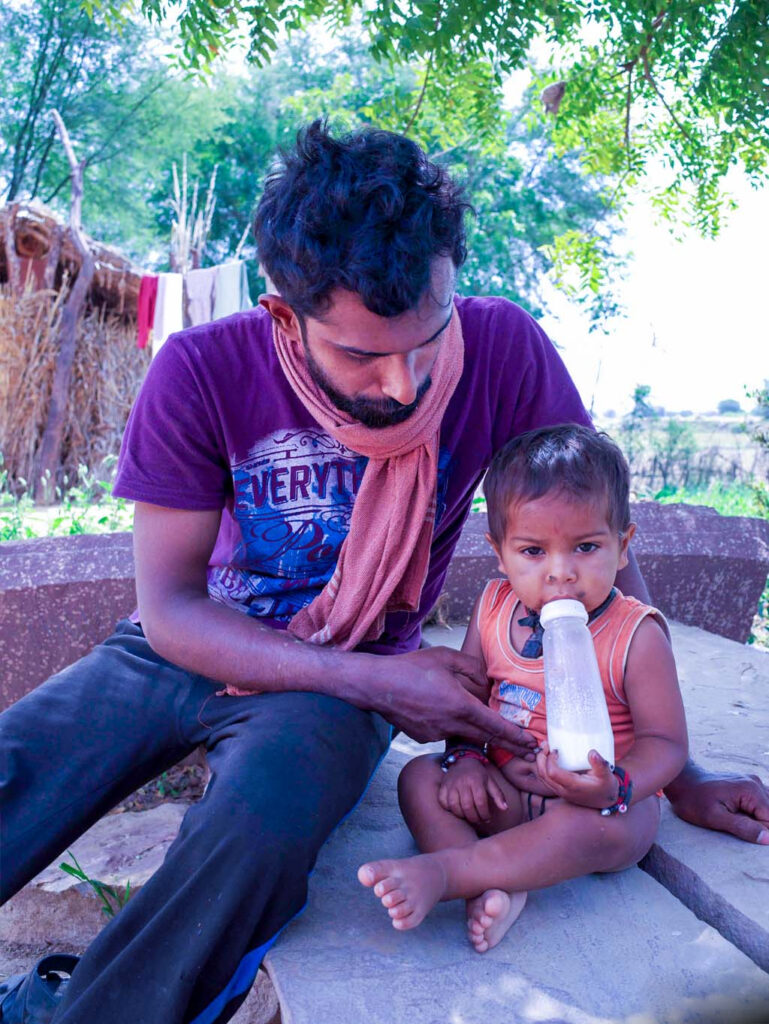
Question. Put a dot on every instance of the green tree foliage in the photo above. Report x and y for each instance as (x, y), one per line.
(131, 117)
(115, 94)
(644, 79)
(523, 196)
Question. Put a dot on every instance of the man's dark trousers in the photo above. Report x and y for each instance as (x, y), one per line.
(285, 769)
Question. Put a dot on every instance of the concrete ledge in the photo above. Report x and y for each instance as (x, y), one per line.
(58, 597)
(61, 595)
(599, 950)
(690, 557)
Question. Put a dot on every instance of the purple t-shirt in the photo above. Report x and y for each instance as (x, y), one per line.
(216, 425)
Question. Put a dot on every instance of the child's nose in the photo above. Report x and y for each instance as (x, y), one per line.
(561, 570)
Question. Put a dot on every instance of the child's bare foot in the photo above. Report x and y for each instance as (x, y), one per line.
(408, 888)
(490, 915)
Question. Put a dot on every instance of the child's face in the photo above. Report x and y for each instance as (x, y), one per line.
(558, 546)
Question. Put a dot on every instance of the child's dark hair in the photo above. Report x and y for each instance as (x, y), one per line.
(366, 211)
(570, 459)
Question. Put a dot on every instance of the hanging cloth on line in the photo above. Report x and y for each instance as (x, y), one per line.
(168, 309)
(231, 289)
(199, 288)
(145, 308)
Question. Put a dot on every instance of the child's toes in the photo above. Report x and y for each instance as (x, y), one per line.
(393, 897)
(399, 911)
(373, 873)
(409, 920)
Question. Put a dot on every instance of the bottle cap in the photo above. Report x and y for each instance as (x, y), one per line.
(562, 609)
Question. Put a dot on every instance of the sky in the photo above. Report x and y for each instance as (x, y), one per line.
(696, 327)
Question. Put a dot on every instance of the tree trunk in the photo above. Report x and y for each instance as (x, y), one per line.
(49, 452)
(11, 256)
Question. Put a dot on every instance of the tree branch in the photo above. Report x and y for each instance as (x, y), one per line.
(648, 76)
(421, 96)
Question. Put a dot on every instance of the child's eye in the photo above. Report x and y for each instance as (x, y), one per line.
(532, 551)
(587, 547)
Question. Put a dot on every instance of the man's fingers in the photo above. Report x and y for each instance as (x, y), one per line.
(740, 825)
(464, 664)
(489, 726)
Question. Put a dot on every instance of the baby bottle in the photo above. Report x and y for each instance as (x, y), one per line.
(577, 716)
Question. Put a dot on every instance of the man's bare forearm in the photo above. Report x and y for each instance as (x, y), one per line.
(223, 644)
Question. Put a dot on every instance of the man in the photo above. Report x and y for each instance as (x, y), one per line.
(360, 401)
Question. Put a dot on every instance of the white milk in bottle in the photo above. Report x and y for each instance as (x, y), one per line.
(577, 716)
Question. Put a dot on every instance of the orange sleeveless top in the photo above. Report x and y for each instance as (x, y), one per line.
(518, 683)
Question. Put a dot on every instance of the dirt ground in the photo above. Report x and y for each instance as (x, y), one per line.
(183, 783)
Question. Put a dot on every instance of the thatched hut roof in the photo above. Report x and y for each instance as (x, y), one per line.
(39, 235)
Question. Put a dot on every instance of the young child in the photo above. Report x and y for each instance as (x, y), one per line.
(492, 826)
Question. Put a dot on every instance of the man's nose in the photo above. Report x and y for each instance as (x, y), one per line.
(399, 379)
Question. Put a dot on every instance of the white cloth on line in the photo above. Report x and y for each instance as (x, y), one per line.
(231, 289)
(199, 286)
(168, 309)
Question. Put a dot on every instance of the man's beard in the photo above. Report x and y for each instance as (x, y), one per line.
(375, 414)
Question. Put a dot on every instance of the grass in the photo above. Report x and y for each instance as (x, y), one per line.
(726, 499)
(85, 507)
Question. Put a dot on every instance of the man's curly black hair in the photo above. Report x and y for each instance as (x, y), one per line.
(366, 211)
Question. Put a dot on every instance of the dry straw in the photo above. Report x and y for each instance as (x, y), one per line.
(107, 374)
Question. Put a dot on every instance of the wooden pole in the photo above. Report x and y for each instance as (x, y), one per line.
(49, 452)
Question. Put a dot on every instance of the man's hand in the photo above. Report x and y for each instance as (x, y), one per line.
(727, 802)
(437, 692)
(466, 789)
(598, 787)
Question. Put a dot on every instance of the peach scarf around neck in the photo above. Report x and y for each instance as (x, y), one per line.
(383, 561)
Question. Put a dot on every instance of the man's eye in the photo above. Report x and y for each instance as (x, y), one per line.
(587, 547)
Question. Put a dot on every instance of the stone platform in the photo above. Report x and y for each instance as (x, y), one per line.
(685, 941)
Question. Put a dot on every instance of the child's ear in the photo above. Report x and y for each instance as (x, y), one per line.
(624, 544)
(493, 543)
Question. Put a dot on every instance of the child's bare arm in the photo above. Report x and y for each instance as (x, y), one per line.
(660, 747)
(472, 643)
(651, 686)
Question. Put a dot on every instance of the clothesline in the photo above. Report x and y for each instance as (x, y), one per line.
(169, 302)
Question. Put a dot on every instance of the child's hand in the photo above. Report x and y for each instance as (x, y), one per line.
(598, 787)
(465, 790)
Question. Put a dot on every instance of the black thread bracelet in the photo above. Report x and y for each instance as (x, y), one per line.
(623, 796)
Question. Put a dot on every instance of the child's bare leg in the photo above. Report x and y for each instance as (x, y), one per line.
(435, 828)
(566, 842)
(490, 914)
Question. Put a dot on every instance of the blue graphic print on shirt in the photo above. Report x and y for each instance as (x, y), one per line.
(293, 499)
(517, 702)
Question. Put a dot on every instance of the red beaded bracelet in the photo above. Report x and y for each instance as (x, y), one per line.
(456, 755)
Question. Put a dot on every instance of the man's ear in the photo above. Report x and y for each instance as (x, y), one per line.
(493, 543)
(282, 314)
(624, 544)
